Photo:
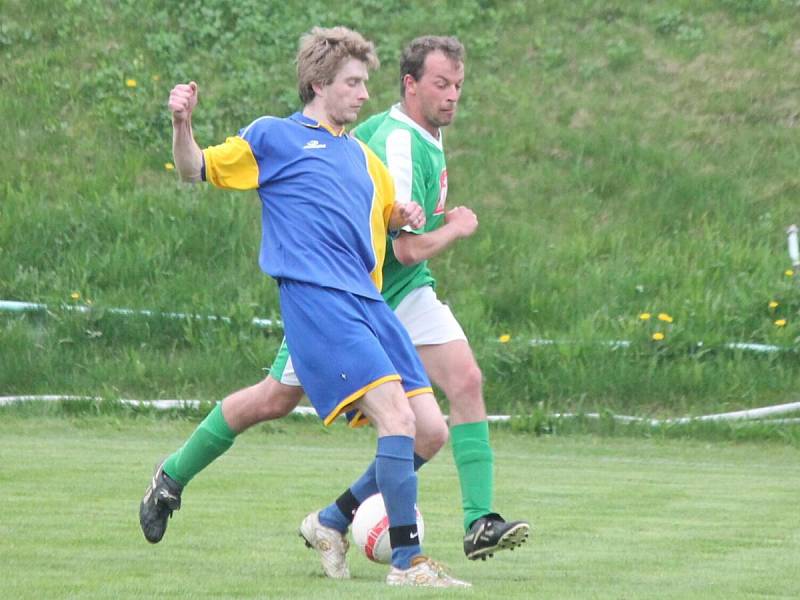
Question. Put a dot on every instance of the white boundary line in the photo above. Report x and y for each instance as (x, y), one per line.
(14, 306)
(23, 307)
(763, 414)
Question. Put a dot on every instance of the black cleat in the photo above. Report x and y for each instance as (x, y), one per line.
(491, 533)
(162, 496)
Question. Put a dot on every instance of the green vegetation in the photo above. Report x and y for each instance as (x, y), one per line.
(625, 518)
(623, 158)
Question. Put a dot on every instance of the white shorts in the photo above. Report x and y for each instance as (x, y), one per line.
(427, 319)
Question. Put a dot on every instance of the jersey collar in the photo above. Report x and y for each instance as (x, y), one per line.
(398, 114)
(311, 123)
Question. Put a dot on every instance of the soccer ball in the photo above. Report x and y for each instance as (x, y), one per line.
(371, 529)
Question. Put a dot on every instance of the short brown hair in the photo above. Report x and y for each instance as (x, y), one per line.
(412, 61)
(322, 52)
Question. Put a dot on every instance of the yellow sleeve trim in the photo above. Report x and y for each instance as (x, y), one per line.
(231, 165)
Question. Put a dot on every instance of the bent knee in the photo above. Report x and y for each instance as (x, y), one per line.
(466, 383)
(276, 400)
(431, 439)
(399, 421)
(285, 401)
(440, 436)
(406, 423)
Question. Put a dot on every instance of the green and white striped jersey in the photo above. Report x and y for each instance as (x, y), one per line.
(416, 161)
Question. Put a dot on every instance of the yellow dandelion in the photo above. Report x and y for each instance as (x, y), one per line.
(781, 322)
(773, 304)
(788, 272)
(504, 339)
(169, 166)
(664, 317)
(75, 295)
(644, 316)
(658, 336)
(130, 83)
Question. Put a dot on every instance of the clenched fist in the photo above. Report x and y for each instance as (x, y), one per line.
(411, 214)
(462, 220)
(182, 100)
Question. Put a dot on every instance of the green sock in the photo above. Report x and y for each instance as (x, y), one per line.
(475, 464)
(209, 441)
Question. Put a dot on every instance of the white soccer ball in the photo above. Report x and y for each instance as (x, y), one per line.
(371, 529)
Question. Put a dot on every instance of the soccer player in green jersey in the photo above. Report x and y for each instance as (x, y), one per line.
(408, 138)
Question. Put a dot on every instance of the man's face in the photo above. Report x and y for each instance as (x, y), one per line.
(439, 88)
(345, 95)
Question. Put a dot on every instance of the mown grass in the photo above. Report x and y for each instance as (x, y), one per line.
(542, 421)
(622, 157)
(612, 518)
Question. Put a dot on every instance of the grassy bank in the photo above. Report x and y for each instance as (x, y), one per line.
(624, 159)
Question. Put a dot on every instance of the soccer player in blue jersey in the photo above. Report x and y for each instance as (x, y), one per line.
(408, 138)
(327, 201)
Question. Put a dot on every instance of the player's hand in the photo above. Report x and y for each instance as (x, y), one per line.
(411, 214)
(462, 219)
(182, 100)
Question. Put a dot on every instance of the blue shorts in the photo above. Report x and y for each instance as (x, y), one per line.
(344, 345)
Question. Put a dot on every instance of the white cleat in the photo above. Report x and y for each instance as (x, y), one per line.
(424, 572)
(331, 546)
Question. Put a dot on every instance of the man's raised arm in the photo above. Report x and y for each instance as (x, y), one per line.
(185, 152)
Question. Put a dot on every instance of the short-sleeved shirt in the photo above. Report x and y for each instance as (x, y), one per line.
(416, 161)
(326, 200)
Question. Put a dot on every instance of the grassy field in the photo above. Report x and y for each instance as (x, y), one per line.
(613, 518)
(623, 157)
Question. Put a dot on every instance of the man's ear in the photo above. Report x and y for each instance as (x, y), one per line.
(318, 88)
(409, 83)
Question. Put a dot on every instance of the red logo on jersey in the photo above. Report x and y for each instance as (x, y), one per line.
(442, 193)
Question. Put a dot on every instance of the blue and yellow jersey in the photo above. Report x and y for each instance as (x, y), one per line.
(326, 200)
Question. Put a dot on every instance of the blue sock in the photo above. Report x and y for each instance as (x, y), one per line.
(397, 482)
(364, 487)
(331, 516)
